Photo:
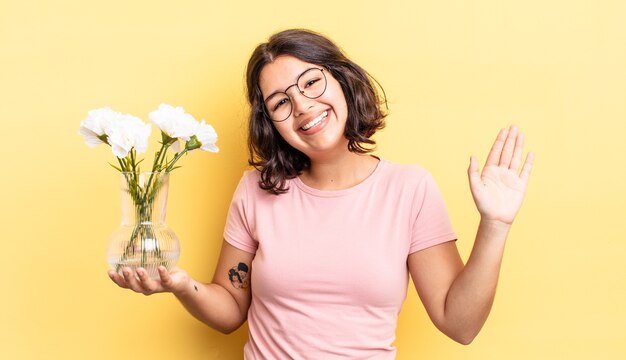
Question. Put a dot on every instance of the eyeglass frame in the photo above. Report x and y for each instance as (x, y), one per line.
(321, 69)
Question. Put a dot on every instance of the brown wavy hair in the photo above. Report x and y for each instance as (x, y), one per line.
(269, 152)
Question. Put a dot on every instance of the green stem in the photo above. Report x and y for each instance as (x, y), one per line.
(144, 201)
(178, 156)
(158, 160)
(156, 166)
(141, 232)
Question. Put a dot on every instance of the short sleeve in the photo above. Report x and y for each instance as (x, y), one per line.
(431, 222)
(237, 231)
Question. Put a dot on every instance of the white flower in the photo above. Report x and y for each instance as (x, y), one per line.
(175, 123)
(207, 137)
(94, 126)
(126, 132)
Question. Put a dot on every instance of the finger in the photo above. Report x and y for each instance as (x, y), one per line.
(131, 280)
(117, 279)
(528, 165)
(517, 152)
(149, 286)
(473, 172)
(509, 146)
(496, 148)
(166, 279)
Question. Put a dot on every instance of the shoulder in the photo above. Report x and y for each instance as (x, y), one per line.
(404, 173)
(246, 184)
(406, 181)
(251, 177)
(249, 184)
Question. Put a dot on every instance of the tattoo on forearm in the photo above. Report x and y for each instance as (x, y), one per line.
(238, 276)
(195, 287)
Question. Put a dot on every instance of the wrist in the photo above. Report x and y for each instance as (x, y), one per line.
(186, 288)
(495, 224)
(184, 291)
(492, 232)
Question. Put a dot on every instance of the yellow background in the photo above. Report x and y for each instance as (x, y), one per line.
(454, 72)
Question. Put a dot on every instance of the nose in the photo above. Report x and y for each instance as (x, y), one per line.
(301, 104)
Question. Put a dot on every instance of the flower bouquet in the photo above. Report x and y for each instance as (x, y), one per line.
(143, 239)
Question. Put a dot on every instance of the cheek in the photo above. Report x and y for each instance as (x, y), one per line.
(336, 95)
(283, 129)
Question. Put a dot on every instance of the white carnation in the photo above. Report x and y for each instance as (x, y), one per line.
(127, 132)
(95, 125)
(207, 136)
(175, 123)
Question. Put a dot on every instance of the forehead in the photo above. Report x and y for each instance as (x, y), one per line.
(281, 73)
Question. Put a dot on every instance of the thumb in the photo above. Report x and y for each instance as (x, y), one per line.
(175, 280)
(473, 172)
(166, 278)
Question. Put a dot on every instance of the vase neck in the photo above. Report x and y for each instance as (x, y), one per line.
(144, 197)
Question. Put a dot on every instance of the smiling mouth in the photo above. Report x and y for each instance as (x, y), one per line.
(315, 121)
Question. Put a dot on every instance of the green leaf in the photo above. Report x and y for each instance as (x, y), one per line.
(115, 167)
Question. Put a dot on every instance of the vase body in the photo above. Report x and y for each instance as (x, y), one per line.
(143, 239)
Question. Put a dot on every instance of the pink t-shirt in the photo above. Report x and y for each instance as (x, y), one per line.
(330, 269)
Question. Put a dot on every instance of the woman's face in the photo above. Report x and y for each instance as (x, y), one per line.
(315, 126)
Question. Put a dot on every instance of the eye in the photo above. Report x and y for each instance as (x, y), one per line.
(311, 82)
(280, 103)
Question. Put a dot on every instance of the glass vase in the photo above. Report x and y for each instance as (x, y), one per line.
(143, 239)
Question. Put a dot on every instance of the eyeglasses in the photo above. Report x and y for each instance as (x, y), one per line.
(311, 83)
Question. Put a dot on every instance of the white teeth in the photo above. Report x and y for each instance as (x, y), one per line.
(315, 121)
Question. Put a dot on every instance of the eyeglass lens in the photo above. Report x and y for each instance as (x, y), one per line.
(311, 84)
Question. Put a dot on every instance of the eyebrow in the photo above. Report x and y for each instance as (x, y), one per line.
(272, 94)
(285, 91)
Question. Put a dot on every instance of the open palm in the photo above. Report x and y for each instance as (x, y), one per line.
(140, 282)
(499, 189)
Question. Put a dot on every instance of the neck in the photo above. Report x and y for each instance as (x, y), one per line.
(339, 172)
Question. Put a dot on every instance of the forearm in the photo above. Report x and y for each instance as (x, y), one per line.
(213, 305)
(471, 295)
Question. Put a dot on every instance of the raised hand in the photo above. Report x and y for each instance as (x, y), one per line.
(173, 281)
(499, 190)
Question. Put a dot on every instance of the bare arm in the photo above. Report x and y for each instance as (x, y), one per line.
(222, 304)
(458, 298)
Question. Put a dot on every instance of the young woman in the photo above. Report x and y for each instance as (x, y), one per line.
(321, 237)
